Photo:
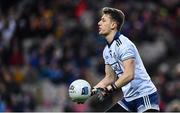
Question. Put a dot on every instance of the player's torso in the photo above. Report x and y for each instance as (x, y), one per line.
(113, 56)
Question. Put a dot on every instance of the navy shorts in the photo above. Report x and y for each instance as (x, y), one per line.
(141, 104)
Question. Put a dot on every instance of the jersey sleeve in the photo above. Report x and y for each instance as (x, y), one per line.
(127, 52)
(105, 61)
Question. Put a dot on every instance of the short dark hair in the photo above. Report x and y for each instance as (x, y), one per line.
(116, 15)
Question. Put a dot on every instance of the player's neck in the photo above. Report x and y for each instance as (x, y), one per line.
(110, 36)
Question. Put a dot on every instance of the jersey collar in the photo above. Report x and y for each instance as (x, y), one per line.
(116, 36)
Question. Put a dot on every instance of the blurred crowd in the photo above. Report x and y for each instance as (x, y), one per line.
(46, 44)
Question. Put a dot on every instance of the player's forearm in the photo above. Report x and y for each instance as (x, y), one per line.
(128, 74)
(123, 80)
(104, 82)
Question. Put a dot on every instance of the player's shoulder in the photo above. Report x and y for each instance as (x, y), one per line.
(123, 41)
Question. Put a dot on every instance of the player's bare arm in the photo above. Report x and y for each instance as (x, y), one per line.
(127, 75)
(108, 79)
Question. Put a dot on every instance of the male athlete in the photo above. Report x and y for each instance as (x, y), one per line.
(122, 61)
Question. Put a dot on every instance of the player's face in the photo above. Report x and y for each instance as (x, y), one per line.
(105, 24)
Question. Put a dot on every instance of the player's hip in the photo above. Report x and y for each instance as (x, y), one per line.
(141, 104)
(139, 93)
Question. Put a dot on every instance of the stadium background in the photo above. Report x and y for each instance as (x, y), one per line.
(46, 44)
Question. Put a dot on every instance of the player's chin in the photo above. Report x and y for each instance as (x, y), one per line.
(101, 33)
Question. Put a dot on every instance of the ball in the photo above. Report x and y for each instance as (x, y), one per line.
(79, 90)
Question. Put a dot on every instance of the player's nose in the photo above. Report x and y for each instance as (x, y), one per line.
(99, 23)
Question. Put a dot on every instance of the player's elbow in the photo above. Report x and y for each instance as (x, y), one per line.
(130, 76)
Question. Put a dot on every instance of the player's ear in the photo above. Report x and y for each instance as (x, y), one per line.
(113, 25)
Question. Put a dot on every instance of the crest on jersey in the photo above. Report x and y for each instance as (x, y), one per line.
(117, 68)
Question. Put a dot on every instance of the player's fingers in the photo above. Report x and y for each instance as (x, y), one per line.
(100, 97)
(93, 91)
(98, 91)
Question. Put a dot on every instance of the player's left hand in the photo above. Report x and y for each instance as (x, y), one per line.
(103, 92)
(100, 92)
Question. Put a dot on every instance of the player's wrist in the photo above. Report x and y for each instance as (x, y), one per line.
(112, 87)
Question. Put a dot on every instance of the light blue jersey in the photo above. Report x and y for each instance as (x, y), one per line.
(115, 53)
